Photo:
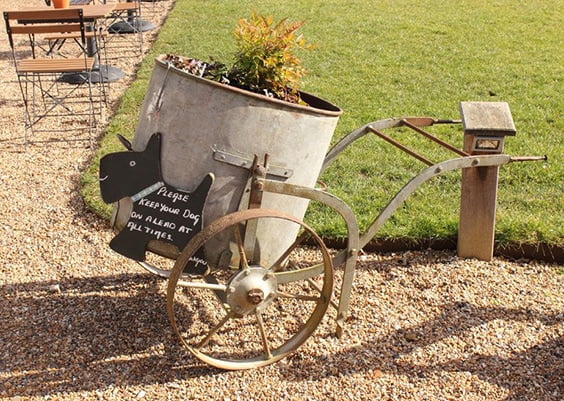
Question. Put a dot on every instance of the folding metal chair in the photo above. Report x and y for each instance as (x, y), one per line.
(95, 34)
(50, 104)
(151, 7)
(57, 40)
(126, 23)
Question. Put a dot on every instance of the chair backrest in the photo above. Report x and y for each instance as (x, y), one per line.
(33, 22)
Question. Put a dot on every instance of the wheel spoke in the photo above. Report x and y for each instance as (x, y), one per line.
(219, 289)
(312, 283)
(262, 330)
(242, 255)
(202, 285)
(301, 297)
(214, 330)
(298, 275)
(276, 266)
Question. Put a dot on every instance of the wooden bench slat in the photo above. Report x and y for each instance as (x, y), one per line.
(47, 28)
(59, 14)
(68, 35)
(40, 65)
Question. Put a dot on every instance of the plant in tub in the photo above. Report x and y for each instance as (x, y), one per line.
(265, 60)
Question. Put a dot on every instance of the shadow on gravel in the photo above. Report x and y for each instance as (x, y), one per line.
(533, 374)
(87, 335)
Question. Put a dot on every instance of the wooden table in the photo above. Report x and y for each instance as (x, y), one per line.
(90, 12)
(102, 72)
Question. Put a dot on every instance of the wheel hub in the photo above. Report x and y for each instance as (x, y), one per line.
(251, 289)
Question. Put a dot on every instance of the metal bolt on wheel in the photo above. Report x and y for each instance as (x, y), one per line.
(250, 313)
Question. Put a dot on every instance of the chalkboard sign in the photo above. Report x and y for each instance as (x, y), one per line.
(160, 211)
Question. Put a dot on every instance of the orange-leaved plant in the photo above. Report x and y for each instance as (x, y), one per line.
(265, 59)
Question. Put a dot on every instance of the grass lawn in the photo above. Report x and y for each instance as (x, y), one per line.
(378, 59)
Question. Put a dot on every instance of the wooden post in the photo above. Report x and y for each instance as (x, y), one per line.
(485, 126)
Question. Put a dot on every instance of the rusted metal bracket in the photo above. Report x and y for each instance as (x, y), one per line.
(400, 146)
(244, 162)
(381, 125)
(258, 171)
(406, 122)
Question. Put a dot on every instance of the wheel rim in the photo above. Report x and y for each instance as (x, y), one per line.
(250, 314)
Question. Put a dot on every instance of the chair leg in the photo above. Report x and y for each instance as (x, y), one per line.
(27, 115)
(103, 60)
(45, 107)
(91, 117)
(129, 24)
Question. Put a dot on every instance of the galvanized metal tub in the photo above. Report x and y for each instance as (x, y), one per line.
(211, 127)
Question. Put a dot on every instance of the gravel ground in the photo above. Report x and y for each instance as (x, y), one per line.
(80, 322)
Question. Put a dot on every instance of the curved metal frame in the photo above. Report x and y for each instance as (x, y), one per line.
(355, 239)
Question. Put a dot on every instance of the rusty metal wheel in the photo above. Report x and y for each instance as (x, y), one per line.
(249, 313)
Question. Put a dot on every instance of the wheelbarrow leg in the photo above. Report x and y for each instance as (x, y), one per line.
(346, 288)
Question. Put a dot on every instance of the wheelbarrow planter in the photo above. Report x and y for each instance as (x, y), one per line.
(217, 181)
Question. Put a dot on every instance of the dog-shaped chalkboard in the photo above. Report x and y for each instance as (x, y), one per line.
(160, 212)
